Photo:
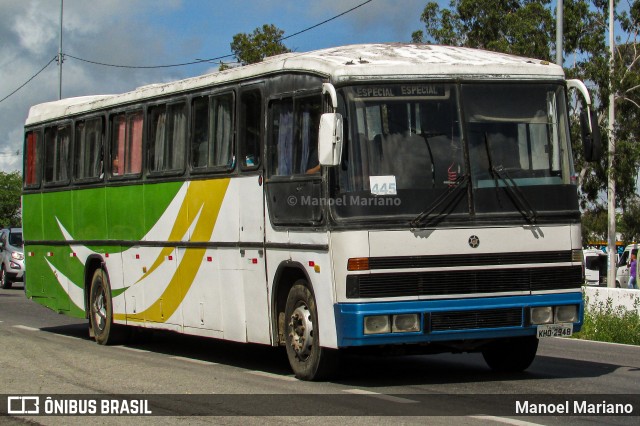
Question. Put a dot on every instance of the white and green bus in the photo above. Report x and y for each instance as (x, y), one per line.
(383, 196)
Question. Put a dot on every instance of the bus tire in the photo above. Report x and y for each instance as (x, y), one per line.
(309, 361)
(104, 331)
(511, 355)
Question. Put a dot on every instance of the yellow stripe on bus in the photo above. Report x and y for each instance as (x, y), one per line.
(206, 197)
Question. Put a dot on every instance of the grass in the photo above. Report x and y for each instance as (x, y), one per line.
(604, 323)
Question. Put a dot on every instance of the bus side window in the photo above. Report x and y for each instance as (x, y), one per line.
(33, 160)
(167, 136)
(126, 144)
(56, 159)
(249, 129)
(88, 149)
(294, 136)
(212, 140)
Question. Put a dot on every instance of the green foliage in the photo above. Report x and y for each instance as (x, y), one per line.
(607, 324)
(594, 225)
(10, 190)
(254, 47)
(527, 28)
(509, 26)
(629, 225)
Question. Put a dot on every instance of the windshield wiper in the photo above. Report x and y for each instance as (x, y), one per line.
(514, 191)
(454, 188)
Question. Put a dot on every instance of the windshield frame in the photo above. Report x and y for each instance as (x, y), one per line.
(463, 207)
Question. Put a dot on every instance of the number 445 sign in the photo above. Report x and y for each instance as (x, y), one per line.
(383, 185)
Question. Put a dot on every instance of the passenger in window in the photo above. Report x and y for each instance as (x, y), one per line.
(115, 166)
(313, 164)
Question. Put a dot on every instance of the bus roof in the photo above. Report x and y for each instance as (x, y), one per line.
(390, 61)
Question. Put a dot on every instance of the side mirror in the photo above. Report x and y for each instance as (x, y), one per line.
(330, 139)
(591, 141)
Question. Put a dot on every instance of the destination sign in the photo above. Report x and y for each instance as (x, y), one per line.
(421, 90)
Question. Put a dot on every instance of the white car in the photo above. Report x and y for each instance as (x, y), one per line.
(595, 267)
(622, 271)
(11, 257)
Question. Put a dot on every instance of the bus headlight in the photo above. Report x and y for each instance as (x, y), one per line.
(567, 313)
(377, 324)
(406, 323)
(541, 315)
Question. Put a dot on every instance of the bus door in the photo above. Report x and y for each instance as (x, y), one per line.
(251, 213)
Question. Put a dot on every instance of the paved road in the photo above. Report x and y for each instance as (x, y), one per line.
(45, 353)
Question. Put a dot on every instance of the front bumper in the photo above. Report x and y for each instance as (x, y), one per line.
(451, 319)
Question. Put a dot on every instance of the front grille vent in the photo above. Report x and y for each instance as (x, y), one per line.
(443, 283)
(479, 319)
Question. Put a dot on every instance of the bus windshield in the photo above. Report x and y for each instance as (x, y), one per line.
(455, 151)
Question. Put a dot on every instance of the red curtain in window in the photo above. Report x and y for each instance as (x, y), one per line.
(135, 144)
(31, 172)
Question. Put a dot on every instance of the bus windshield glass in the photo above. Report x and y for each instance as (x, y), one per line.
(455, 152)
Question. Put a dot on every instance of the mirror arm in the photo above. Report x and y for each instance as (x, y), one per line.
(580, 86)
(328, 88)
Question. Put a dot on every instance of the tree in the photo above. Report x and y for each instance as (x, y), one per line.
(526, 27)
(10, 190)
(254, 47)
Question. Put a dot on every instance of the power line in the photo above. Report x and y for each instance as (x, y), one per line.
(28, 81)
(199, 61)
(328, 20)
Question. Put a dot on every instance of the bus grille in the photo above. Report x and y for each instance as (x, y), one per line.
(467, 320)
(446, 260)
(444, 283)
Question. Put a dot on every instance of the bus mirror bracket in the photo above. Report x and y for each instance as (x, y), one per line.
(591, 140)
(328, 88)
(330, 139)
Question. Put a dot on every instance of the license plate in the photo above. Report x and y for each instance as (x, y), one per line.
(555, 330)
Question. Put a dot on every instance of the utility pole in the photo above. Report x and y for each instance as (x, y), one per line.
(611, 184)
(559, 32)
(60, 54)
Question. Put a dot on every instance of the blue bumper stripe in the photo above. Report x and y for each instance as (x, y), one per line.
(350, 318)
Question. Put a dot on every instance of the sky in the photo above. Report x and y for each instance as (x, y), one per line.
(159, 32)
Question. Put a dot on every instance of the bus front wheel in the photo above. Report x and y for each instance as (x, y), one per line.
(511, 355)
(308, 359)
(101, 310)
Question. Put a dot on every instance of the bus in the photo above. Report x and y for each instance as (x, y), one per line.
(364, 198)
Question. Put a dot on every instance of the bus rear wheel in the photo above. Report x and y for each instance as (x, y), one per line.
(103, 329)
(511, 355)
(309, 361)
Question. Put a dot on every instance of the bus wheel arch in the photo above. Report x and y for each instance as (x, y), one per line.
(100, 307)
(93, 263)
(286, 276)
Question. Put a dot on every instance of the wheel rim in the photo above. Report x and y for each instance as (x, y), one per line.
(301, 332)
(100, 310)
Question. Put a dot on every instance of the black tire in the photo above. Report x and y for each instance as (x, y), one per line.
(104, 331)
(4, 280)
(308, 360)
(511, 355)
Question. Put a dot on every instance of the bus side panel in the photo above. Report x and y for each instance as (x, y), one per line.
(90, 214)
(125, 213)
(58, 267)
(32, 232)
